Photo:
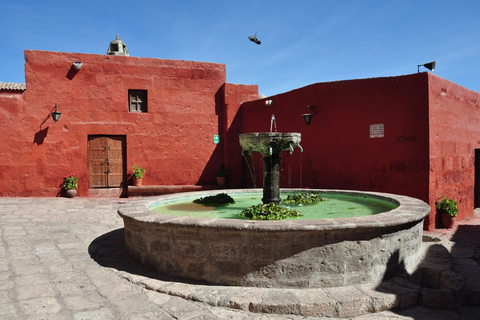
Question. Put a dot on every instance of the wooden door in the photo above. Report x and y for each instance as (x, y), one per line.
(106, 161)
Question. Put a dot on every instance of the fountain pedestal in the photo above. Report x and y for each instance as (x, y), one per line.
(270, 145)
(271, 179)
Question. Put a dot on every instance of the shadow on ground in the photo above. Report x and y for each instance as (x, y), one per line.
(109, 251)
(448, 278)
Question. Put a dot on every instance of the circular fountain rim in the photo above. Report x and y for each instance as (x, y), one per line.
(409, 210)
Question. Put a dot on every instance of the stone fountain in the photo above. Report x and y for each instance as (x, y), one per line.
(306, 254)
(311, 255)
(270, 145)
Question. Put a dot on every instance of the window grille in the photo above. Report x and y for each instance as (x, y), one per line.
(137, 101)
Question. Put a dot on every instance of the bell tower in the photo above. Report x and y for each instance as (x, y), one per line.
(117, 47)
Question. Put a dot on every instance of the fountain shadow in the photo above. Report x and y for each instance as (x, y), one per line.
(446, 283)
(109, 251)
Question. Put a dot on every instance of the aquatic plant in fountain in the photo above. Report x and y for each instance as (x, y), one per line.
(304, 198)
(269, 211)
(216, 200)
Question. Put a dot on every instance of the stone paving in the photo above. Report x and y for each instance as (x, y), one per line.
(63, 259)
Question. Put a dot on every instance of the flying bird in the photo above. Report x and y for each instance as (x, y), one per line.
(254, 39)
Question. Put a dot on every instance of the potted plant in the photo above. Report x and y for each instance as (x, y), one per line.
(221, 175)
(138, 175)
(447, 210)
(70, 184)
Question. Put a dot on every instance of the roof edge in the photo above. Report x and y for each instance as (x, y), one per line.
(13, 86)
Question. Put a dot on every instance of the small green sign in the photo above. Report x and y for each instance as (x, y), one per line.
(216, 138)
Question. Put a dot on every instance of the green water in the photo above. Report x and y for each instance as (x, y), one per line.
(336, 206)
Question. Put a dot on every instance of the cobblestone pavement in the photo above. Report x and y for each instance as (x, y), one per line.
(63, 259)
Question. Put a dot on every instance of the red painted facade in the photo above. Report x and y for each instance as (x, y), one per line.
(454, 115)
(173, 141)
(431, 129)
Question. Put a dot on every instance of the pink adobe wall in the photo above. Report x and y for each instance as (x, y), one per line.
(235, 95)
(173, 141)
(338, 150)
(12, 166)
(454, 130)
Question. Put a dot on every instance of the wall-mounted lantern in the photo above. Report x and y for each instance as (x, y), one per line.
(308, 116)
(430, 66)
(56, 114)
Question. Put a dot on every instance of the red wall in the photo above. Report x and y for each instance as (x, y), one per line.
(235, 95)
(14, 169)
(173, 141)
(454, 135)
(338, 150)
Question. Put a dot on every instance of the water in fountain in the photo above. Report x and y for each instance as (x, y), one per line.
(273, 124)
(336, 206)
(252, 172)
(301, 170)
(289, 172)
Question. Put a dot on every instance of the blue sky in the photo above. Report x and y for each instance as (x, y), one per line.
(303, 42)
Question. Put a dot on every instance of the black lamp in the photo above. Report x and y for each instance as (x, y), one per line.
(308, 116)
(430, 66)
(56, 114)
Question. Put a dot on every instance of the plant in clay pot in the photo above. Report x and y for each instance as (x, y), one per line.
(70, 184)
(138, 175)
(447, 210)
(221, 175)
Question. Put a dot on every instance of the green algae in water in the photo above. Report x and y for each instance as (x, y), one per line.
(336, 206)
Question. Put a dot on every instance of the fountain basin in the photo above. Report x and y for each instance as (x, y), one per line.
(282, 254)
(269, 143)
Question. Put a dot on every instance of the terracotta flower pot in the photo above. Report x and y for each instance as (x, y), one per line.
(447, 221)
(137, 181)
(221, 181)
(71, 193)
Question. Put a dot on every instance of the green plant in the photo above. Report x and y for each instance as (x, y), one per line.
(221, 172)
(70, 181)
(269, 211)
(216, 200)
(138, 172)
(446, 206)
(303, 198)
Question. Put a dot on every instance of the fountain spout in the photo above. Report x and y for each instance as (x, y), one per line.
(273, 123)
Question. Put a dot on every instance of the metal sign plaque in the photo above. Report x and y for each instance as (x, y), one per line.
(377, 130)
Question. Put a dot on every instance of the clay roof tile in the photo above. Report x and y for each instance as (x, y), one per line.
(12, 86)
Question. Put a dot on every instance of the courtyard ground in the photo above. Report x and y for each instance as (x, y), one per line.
(64, 259)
